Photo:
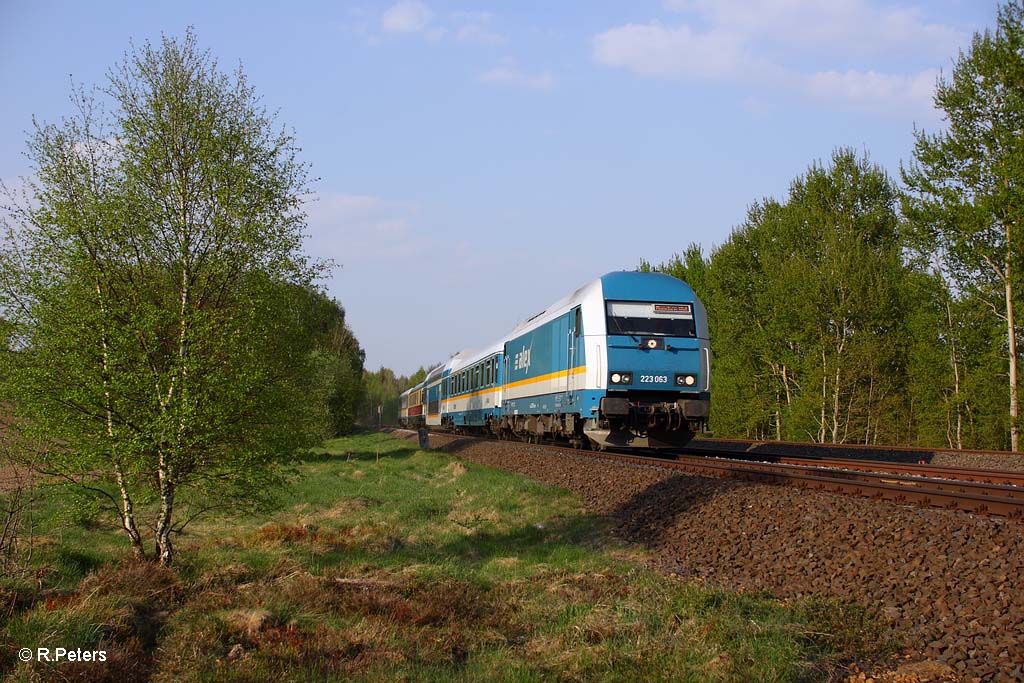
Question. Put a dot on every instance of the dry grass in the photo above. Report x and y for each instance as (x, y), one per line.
(247, 623)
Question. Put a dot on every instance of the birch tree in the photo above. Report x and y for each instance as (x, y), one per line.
(966, 184)
(154, 337)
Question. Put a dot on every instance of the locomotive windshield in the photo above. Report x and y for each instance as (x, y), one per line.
(642, 318)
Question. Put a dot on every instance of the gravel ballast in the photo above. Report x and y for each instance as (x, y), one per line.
(950, 582)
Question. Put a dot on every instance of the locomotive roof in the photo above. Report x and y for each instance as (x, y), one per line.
(622, 284)
(557, 308)
(645, 287)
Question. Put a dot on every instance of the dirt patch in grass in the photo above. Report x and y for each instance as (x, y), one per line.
(421, 603)
(456, 469)
(224, 576)
(588, 588)
(132, 579)
(248, 623)
(280, 534)
(345, 508)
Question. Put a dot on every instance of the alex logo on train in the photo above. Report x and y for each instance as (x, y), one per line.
(521, 361)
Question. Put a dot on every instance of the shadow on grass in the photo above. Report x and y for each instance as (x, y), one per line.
(530, 542)
(648, 516)
(361, 454)
(646, 519)
(76, 564)
(558, 542)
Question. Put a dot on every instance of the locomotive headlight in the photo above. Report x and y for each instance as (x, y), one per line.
(616, 378)
(621, 378)
(685, 380)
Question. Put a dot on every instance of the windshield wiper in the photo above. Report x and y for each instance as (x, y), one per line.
(618, 326)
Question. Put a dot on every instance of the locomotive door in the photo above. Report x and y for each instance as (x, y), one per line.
(574, 345)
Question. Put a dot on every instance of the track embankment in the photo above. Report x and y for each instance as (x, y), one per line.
(948, 581)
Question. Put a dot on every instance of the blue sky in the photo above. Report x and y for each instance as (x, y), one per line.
(478, 161)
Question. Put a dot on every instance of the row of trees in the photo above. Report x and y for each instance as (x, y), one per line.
(855, 310)
(381, 391)
(163, 332)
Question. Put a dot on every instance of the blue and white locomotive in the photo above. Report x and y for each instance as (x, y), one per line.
(622, 361)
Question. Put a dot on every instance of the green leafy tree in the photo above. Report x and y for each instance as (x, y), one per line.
(152, 334)
(805, 306)
(336, 388)
(965, 198)
(383, 388)
(847, 294)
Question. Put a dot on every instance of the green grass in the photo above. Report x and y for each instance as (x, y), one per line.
(390, 563)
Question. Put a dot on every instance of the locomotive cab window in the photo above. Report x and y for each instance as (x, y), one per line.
(637, 318)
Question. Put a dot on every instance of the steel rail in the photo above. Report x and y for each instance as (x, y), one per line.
(988, 476)
(751, 444)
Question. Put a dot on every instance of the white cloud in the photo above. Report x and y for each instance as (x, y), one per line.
(858, 52)
(659, 51)
(406, 16)
(345, 226)
(415, 17)
(507, 73)
(847, 26)
(475, 27)
(871, 89)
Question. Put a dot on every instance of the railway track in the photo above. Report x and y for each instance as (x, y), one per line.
(986, 492)
(866, 479)
(987, 476)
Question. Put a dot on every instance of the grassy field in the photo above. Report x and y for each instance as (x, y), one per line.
(391, 563)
